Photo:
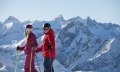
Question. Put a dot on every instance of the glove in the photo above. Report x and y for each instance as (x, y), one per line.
(36, 51)
(48, 46)
(18, 48)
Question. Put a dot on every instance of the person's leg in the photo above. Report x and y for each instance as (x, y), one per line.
(28, 62)
(52, 68)
(51, 65)
(33, 65)
(48, 65)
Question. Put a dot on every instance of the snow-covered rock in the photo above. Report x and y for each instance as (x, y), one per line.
(86, 45)
(12, 35)
(81, 44)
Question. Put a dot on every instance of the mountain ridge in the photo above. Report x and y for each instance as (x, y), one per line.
(81, 44)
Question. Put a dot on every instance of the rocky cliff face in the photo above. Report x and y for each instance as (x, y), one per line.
(81, 44)
(85, 45)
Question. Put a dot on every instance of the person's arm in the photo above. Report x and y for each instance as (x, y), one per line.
(20, 48)
(51, 41)
(40, 48)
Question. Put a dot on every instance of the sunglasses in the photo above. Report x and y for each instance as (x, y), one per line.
(46, 28)
(28, 30)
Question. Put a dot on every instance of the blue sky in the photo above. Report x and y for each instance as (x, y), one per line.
(100, 10)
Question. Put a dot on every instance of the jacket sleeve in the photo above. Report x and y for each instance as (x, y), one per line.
(51, 40)
(40, 48)
(22, 48)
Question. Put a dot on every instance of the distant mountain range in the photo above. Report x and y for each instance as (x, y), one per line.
(81, 44)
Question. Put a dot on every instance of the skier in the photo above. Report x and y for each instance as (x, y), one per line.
(29, 49)
(48, 48)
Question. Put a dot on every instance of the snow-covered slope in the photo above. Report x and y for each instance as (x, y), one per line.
(81, 44)
(12, 35)
(11, 30)
(84, 44)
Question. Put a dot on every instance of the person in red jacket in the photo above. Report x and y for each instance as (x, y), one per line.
(29, 49)
(48, 48)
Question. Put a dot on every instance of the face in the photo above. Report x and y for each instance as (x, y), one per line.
(46, 29)
(28, 31)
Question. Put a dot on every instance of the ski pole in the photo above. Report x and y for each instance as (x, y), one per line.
(31, 59)
(38, 63)
(16, 61)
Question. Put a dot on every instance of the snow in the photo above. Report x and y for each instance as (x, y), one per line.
(72, 30)
(8, 60)
(104, 49)
(87, 45)
(9, 25)
(12, 35)
(82, 45)
(59, 19)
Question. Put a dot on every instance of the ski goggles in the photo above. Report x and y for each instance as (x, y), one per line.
(28, 30)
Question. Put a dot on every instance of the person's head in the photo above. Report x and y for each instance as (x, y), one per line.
(46, 27)
(28, 29)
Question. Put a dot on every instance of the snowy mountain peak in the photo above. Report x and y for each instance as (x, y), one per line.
(88, 18)
(86, 45)
(91, 22)
(12, 19)
(81, 44)
(59, 18)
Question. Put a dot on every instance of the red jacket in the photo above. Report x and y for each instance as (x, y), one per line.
(49, 38)
(30, 42)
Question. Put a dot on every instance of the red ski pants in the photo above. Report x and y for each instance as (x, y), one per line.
(29, 61)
